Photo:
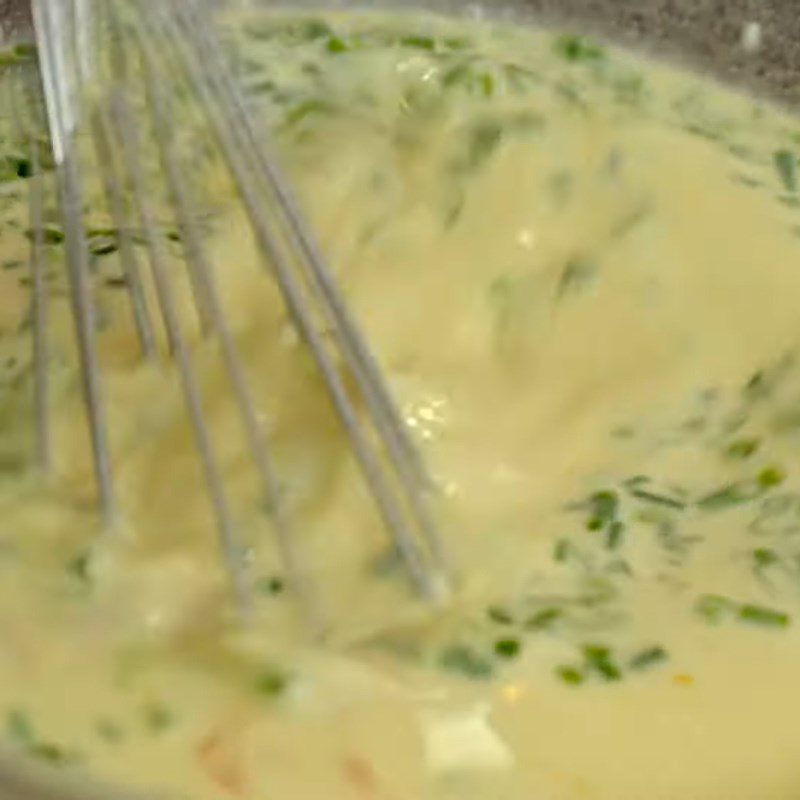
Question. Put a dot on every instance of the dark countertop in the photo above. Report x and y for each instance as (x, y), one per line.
(706, 32)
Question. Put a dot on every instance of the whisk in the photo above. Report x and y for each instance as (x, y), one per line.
(151, 47)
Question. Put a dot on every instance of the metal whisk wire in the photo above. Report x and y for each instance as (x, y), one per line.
(162, 38)
(51, 28)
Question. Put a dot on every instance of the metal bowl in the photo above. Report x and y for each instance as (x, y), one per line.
(752, 44)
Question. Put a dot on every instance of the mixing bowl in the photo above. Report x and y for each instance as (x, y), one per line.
(754, 44)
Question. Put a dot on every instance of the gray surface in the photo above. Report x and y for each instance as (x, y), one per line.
(14, 17)
(706, 32)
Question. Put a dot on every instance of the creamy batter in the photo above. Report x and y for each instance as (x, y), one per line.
(580, 272)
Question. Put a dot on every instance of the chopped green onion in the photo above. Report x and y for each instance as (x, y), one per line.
(499, 615)
(598, 658)
(315, 29)
(630, 221)
(271, 682)
(16, 167)
(742, 448)
(158, 718)
(103, 247)
(457, 43)
(614, 535)
(561, 550)
(459, 75)
(714, 608)
(594, 524)
(544, 618)
(306, 108)
(507, 648)
(482, 141)
(337, 45)
(464, 660)
(25, 50)
(764, 557)
(732, 495)
(420, 42)
(648, 658)
(51, 234)
(770, 477)
(658, 499)
(80, 568)
(576, 275)
(270, 586)
(786, 166)
(767, 617)
(570, 675)
(52, 753)
(602, 509)
(20, 728)
(578, 48)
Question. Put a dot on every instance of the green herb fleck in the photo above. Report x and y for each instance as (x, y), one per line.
(544, 619)
(648, 658)
(20, 728)
(572, 676)
(457, 43)
(630, 221)
(764, 557)
(51, 234)
(599, 659)
(271, 682)
(482, 141)
(270, 586)
(614, 535)
(7, 57)
(337, 45)
(732, 495)
(80, 568)
(786, 165)
(420, 42)
(658, 499)
(304, 109)
(499, 615)
(52, 753)
(766, 617)
(103, 245)
(315, 29)
(158, 718)
(459, 75)
(577, 274)
(561, 550)
(603, 508)
(769, 477)
(507, 648)
(715, 608)
(464, 660)
(742, 448)
(25, 50)
(579, 48)
(16, 167)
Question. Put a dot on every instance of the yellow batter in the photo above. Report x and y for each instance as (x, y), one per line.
(581, 274)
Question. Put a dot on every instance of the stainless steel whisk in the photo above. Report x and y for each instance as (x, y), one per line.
(172, 41)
